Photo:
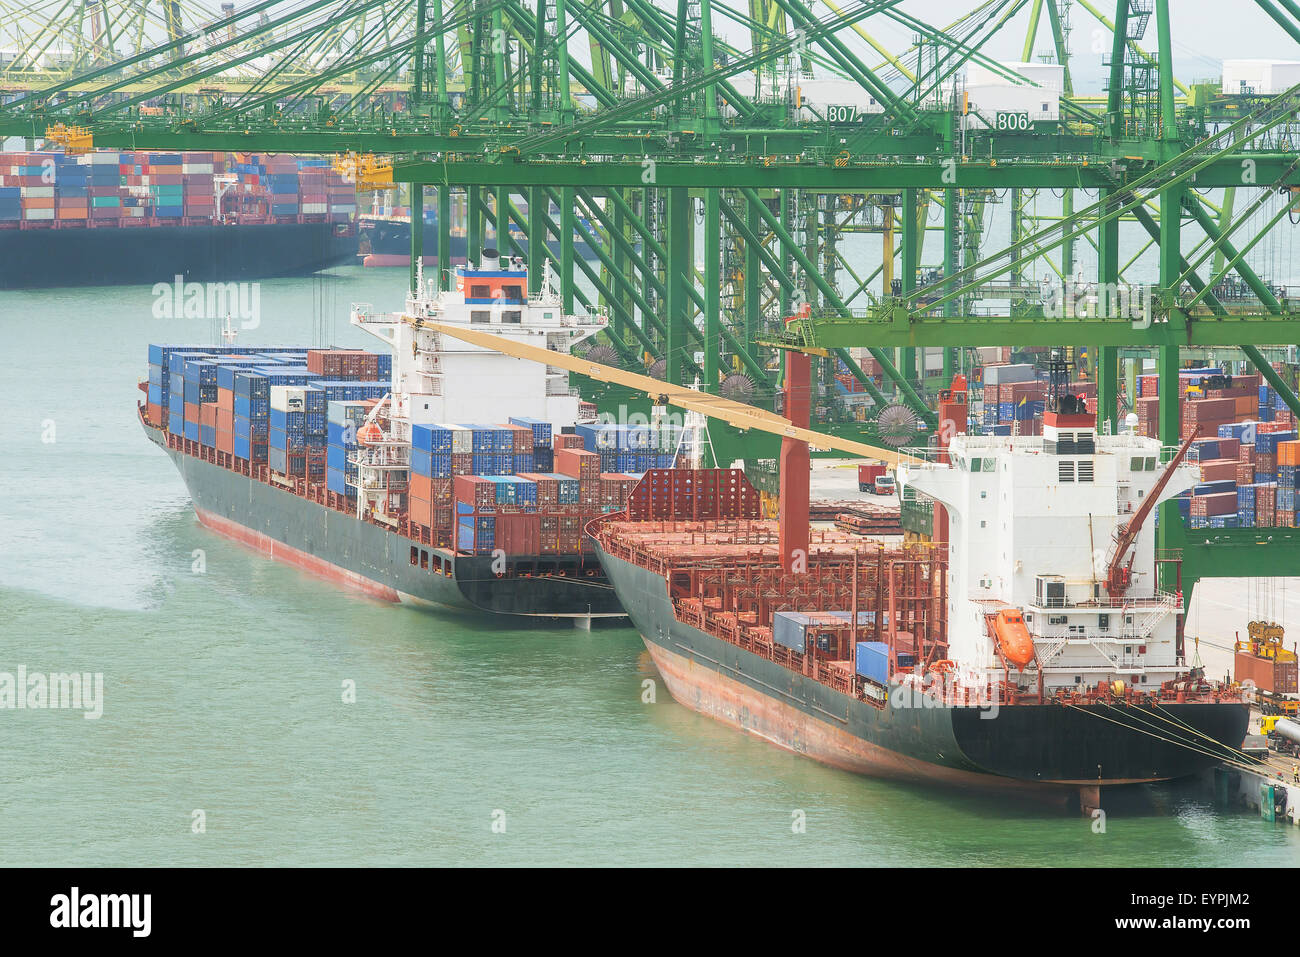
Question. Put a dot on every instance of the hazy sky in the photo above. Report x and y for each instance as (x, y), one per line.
(1204, 34)
(1204, 31)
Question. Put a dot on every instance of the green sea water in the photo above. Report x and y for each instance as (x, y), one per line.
(468, 742)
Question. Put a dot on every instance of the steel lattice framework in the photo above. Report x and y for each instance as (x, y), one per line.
(676, 141)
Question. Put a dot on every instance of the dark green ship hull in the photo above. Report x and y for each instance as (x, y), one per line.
(383, 564)
(1044, 749)
(114, 255)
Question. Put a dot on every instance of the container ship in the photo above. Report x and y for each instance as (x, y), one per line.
(374, 470)
(149, 217)
(1011, 660)
(385, 238)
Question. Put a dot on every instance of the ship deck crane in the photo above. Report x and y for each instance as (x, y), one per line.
(1119, 574)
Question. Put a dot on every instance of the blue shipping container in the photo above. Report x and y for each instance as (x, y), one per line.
(873, 661)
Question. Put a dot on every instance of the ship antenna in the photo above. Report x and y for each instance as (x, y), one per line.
(695, 431)
(228, 332)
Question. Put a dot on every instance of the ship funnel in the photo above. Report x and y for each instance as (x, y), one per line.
(490, 261)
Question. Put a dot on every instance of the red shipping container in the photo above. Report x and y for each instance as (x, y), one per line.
(476, 490)
(1220, 503)
(1220, 469)
(1206, 410)
(1268, 674)
(579, 464)
(462, 463)
(518, 533)
(419, 510)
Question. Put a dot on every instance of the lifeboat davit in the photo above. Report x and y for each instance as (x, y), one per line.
(1013, 637)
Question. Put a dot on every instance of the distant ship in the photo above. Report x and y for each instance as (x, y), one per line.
(118, 218)
(385, 238)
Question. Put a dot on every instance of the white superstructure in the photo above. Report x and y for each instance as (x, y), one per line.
(1259, 77)
(1031, 527)
(442, 380)
(1018, 94)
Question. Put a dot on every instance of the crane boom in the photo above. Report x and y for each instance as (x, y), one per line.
(1118, 574)
(727, 410)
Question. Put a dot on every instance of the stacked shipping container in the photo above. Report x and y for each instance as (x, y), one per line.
(471, 486)
(53, 189)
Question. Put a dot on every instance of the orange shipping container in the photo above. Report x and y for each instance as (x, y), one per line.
(421, 511)
(1288, 453)
(1278, 677)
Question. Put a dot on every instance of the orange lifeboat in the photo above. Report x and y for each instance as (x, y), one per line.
(370, 435)
(1013, 637)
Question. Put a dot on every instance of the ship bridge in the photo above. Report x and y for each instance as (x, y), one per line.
(1031, 522)
(437, 378)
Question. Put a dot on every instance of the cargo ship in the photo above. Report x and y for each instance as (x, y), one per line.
(1009, 660)
(385, 238)
(348, 464)
(149, 217)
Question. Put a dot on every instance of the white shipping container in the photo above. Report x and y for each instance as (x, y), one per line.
(196, 168)
(1003, 375)
(462, 439)
(99, 159)
(38, 214)
(289, 398)
(310, 208)
(38, 192)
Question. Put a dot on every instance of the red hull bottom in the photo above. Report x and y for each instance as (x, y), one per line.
(394, 259)
(704, 690)
(387, 260)
(260, 542)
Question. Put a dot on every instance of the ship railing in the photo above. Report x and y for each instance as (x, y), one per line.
(1049, 649)
(924, 456)
(1161, 602)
